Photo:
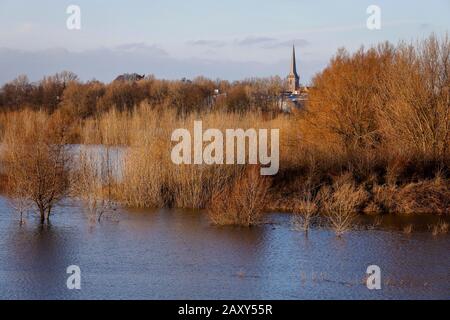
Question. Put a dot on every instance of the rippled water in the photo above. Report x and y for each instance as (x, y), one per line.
(170, 254)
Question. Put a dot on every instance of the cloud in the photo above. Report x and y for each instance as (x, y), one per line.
(271, 43)
(252, 41)
(105, 64)
(249, 41)
(207, 43)
(299, 43)
(141, 47)
(424, 26)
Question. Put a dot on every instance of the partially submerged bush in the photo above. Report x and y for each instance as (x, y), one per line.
(92, 182)
(242, 202)
(341, 202)
(37, 162)
(408, 229)
(439, 228)
(305, 211)
(144, 179)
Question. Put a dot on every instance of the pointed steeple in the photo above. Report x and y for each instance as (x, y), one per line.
(293, 63)
(293, 78)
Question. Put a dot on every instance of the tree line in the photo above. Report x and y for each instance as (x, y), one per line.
(66, 93)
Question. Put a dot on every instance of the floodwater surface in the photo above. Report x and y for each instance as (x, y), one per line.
(171, 254)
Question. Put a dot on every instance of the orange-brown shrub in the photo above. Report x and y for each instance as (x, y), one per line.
(241, 202)
(383, 104)
(37, 161)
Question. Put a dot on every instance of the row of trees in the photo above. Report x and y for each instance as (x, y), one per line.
(83, 99)
(391, 97)
(46, 94)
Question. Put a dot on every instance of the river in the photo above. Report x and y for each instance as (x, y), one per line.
(178, 254)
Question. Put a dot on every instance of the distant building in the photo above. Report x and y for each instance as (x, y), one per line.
(293, 78)
(296, 96)
(129, 77)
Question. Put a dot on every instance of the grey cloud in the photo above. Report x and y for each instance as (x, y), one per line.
(249, 41)
(301, 43)
(141, 47)
(271, 43)
(207, 43)
(262, 42)
(424, 26)
(105, 64)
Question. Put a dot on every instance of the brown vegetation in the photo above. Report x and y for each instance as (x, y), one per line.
(305, 209)
(440, 228)
(92, 182)
(37, 161)
(408, 229)
(241, 202)
(373, 139)
(392, 99)
(342, 202)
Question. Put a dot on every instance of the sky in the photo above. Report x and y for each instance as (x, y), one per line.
(228, 39)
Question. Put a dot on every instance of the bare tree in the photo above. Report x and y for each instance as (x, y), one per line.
(92, 179)
(340, 203)
(243, 202)
(37, 163)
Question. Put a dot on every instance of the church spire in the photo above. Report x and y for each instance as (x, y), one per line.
(293, 78)
(293, 63)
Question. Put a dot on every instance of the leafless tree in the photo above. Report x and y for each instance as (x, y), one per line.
(37, 164)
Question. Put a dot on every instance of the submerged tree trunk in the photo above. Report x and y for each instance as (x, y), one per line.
(42, 213)
(42, 218)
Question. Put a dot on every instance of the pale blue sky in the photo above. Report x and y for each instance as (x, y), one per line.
(230, 39)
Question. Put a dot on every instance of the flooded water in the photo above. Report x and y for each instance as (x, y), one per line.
(104, 157)
(170, 254)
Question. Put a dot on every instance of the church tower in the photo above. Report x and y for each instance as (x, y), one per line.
(293, 78)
